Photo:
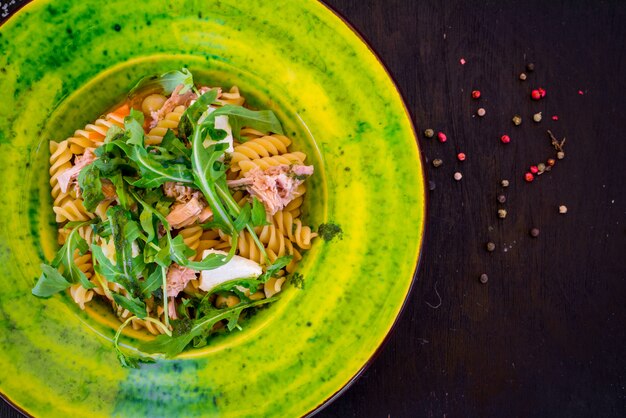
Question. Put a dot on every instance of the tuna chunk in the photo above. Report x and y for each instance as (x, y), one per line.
(177, 278)
(185, 214)
(178, 192)
(276, 186)
(71, 174)
(170, 104)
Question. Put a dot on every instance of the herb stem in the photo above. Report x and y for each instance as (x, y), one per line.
(166, 312)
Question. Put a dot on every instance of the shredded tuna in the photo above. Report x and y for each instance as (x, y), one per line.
(177, 278)
(276, 186)
(171, 309)
(205, 214)
(178, 192)
(185, 214)
(170, 104)
(71, 174)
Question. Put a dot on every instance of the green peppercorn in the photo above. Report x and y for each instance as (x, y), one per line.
(437, 162)
(530, 67)
(537, 117)
(517, 120)
(429, 133)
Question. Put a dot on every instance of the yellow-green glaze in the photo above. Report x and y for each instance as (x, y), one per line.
(64, 62)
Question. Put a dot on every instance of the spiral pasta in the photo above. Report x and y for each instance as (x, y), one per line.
(93, 134)
(266, 162)
(265, 146)
(170, 121)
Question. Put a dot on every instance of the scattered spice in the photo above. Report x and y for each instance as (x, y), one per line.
(429, 133)
(517, 120)
(481, 112)
(442, 137)
(522, 76)
(431, 185)
(461, 156)
(530, 67)
(541, 167)
(542, 92)
(558, 145)
(560, 155)
(504, 183)
(502, 213)
(551, 162)
(476, 94)
(505, 139)
(491, 246)
(534, 169)
(563, 209)
(580, 92)
(535, 95)
(437, 162)
(529, 177)
(462, 61)
(534, 232)
(537, 117)
(484, 278)
(501, 198)
(555, 117)
(458, 176)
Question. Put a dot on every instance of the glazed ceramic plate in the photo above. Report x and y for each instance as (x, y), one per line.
(64, 63)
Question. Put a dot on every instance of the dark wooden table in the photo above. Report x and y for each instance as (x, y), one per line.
(546, 335)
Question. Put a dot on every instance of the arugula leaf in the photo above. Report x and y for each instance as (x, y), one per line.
(243, 218)
(90, 186)
(134, 305)
(153, 282)
(171, 346)
(114, 132)
(171, 143)
(50, 282)
(120, 190)
(105, 268)
(133, 124)
(166, 82)
(275, 267)
(239, 117)
(258, 215)
(190, 117)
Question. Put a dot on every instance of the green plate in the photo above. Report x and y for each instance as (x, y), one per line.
(64, 62)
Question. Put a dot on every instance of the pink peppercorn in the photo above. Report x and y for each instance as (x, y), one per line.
(475, 94)
(461, 156)
(534, 169)
(442, 137)
(555, 117)
(535, 95)
(542, 92)
(505, 139)
(529, 177)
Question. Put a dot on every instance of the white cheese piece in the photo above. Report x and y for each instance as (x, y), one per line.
(237, 268)
(221, 122)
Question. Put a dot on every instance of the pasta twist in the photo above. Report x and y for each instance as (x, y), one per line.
(191, 236)
(266, 162)
(60, 160)
(232, 97)
(265, 146)
(293, 229)
(170, 121)
(94, 133)
(72, 211)
(85, 232)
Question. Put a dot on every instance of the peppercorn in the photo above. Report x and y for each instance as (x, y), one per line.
(517, 120)
(461, 156)
(537, 117)
(530, 67)
(429, 133)
(542, 92)
(529, 177)
(504, 183)
(458, 176)
(437, 162)
(501, 198)
(481, 112)
(491, 246)
(522, 76)
(484, 278)
(502, 213)
(541, 167)
(535, 95)
(534, 169)
(563, 209)
(534, 232)
(551, 162)
(555, 117)
(560, 155)
(476, 94)
(505, 139)
(431, 185)
(442, 137)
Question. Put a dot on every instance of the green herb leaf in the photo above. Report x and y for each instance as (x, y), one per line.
(50, 282)
(243, 218)
(133, 124)
(329, 231)
(90, 186)
(258, 215)
(134, 305)
(239, 117)
(174, 145)
(297, 280)
(114, 132)
(190, 117)
(171, 346)
(166, 82)
(153, 282)
(275, 267)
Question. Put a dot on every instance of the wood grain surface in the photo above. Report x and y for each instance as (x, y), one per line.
(545, 335)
